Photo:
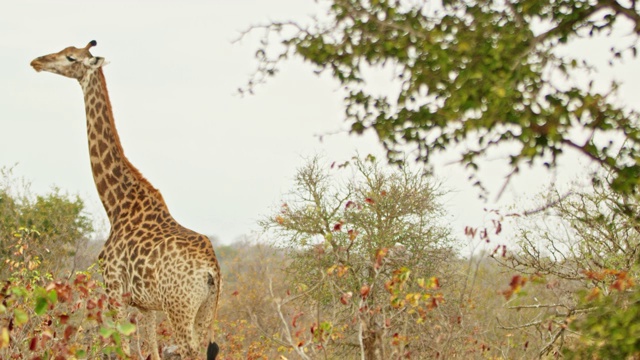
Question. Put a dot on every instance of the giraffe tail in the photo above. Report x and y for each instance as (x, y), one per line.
(216, 286)
(212, 351)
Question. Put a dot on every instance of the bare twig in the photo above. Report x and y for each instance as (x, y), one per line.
(537, 306)
(549, 345)
(543, 207)
(533, 323)
(287, 332)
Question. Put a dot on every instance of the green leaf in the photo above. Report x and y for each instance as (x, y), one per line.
(41, 305)
(20, 317)
(126, 329)
(106, 332)
(52, 296)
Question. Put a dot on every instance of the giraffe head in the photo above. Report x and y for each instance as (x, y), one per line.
(71, 62)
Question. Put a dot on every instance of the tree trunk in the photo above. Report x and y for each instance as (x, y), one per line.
(372, 342)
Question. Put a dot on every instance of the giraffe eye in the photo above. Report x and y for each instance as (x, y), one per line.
(71, 58)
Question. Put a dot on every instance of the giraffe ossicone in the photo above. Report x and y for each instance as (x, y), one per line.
(149, 260)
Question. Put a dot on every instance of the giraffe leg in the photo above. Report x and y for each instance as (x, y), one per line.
(182, 307)
(149, 344)
(205, 318)
(184, 333)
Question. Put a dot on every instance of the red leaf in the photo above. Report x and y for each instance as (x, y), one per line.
(91, 304)
(364, 291)
(295, 318)
(63, 318)
(434, 303)
(337, 227)
(517, 282)
(68, 332)
(33, 343)
(350, 204)
(369, 201)
(235, 293)
(80, 278)
(344, 299)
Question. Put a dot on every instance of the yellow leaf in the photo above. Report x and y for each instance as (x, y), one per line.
(4, 338)
(331, 269)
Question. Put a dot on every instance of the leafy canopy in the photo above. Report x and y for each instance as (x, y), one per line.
(473, 75)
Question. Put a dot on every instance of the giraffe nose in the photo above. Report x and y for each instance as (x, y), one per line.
(36, 64)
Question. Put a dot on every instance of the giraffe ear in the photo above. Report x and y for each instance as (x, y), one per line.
(94, 62)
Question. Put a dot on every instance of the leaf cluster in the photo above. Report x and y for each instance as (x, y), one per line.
(53, 318)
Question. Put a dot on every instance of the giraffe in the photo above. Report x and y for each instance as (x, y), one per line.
(149, 260)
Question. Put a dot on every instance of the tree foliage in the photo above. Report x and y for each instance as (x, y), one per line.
(474, 75)
(364, 258)
(610, 330)
(57, 223)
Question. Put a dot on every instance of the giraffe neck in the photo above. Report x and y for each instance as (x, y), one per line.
(124, 192)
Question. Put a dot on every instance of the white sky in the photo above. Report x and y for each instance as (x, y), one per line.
(221, 161)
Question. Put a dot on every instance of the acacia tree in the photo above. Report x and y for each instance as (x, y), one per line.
(364, 257)
(477, 72)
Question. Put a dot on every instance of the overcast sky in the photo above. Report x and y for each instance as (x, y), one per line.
(221, 161)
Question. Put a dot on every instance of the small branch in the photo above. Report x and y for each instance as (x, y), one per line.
(286, 301)
(543, 207)
(506, 182)
(254, 318)
(536, 306)
(533, 323)
(361, 339)
(547, 347)
(287, 332)
(581, 148)
(275, 26)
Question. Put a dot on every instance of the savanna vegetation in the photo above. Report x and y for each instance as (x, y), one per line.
(358, 261)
